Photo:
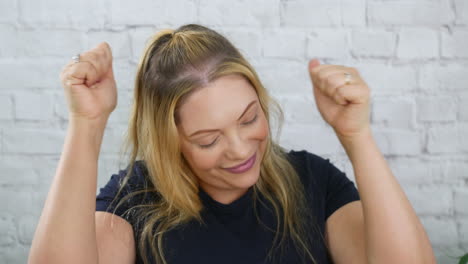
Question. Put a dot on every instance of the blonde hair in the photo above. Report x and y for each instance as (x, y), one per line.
(174, 64)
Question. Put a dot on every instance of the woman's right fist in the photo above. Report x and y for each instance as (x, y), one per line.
(89, 84)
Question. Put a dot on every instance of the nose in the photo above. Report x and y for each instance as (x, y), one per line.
(238, 148)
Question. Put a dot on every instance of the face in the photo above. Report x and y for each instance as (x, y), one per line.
(223, 136)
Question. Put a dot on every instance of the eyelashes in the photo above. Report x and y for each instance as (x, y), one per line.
(214, 141)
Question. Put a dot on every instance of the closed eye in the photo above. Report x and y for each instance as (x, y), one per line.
(208, 145)
(216, 139)
(251, 121)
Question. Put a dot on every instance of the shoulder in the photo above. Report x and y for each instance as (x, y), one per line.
(309, 164)
(124, 183)
(134, 180)
(303, 158)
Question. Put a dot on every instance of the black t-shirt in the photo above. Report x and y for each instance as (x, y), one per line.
(231, 233)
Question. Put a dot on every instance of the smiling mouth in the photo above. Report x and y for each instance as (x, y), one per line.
(244, 166)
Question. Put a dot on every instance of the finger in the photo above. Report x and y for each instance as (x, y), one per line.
(331, 78)
(80, 73)
(100, 57)
(351, 94)
(315, 72)
(313, 63)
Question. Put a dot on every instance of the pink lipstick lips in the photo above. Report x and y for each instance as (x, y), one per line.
(244, 166)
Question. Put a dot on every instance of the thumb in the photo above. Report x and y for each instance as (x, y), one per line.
(313, 66)
(313, 63)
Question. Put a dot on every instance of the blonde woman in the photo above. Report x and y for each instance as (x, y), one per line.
(205, 182)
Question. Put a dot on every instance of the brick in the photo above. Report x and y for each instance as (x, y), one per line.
(300, 110)
(455, 171)
(18, 177)
(447, 138)
(353, 12)
(443, 205)
(463, 225)
(49, 43)
(119, 42)
(22, 201)
(447, 253)
(249, 42)
(15, 254)
(443, 139)
(139, 38)
(397, 113)
(454, 44)
(121, 113)
(281, 76)
(328, 44)
(8, 230)
(174, 13)
(318, 139)
(33, 141)
(440, 231)
(417, 43)
(6, 107)
(60, 106)
(436, 108)
(412, 13)
(8, 12)
(30, 106)
(40, 74)
(26, 227)
(113, 138)
(413, 171)
(463, 106)
(388, 80)
(10, 44)
(373, 43)
(124, 74)
(461, 11)
(461, 201)
(398, 142)
(452, 77)
(80, 15)
(261, 13)
(311, 13)
(284, 44)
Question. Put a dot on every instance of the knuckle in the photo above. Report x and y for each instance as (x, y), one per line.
(93, 56)
(321, 76)
(330, 81)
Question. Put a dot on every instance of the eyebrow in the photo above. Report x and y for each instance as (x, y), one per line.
(212, 130)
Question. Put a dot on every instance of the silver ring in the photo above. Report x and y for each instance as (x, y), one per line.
(76, 58)
(347, 77)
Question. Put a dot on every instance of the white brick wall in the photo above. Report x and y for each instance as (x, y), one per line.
(413, 55)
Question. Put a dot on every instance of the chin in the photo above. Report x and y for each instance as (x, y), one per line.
(249, 178)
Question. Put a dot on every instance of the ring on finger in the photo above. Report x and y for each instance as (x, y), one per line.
(347, 77)
(76, 58)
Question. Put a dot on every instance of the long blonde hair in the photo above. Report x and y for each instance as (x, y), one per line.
(174, 64)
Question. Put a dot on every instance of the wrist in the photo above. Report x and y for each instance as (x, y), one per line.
(355, 139)
(96, 124)
(89, 132)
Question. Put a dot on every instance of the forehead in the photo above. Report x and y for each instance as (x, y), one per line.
(219, 103)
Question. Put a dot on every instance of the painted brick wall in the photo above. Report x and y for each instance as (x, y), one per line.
(413, 54)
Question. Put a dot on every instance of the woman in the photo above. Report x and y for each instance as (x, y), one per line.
(205, 182)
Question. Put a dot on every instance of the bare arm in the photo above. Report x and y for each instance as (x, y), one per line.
(393, 231)
(66, 229)
(66, 232)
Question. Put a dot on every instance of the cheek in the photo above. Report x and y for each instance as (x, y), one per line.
(200, 160)
(262, 130)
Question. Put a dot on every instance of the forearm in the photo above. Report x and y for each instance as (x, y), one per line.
(66, 228)
(394, 233)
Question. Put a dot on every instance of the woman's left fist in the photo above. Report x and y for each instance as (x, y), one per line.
(342, 98)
